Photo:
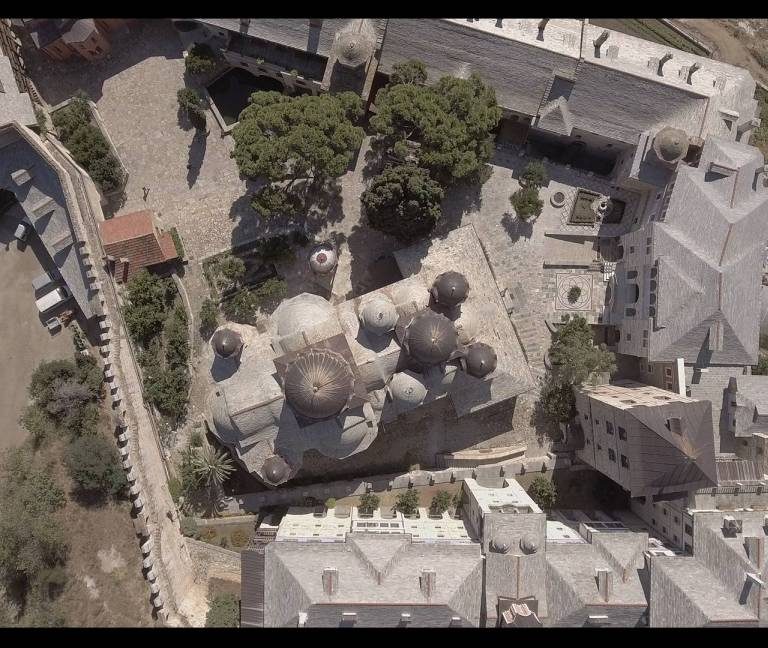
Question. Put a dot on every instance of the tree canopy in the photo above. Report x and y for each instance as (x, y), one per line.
(412, 71)
(93, 464)
(534, 174)
(403, 201)
(543, 492)
(451, 122)
(304, 137)
(407, 502)
(200, 59)
(576, 355)
(441, 502)
(223, 612)
(369, 502)
(527, 202)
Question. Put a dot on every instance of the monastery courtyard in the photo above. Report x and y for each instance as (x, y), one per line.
(135, 92)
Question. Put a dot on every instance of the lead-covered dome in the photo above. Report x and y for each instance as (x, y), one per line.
(450, 288)
(378, 316)
(529, 544)
(302, 312)
(670, 144)
(407, 389)
(318, 383)
(354, 45)
(226, 342)
(431, 337)
(275, 469)
(481, 360)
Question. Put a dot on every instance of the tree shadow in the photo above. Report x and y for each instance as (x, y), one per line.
(196, 156)
(459, 200)
(517, 227)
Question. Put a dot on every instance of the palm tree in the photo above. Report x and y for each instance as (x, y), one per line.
(211, 466)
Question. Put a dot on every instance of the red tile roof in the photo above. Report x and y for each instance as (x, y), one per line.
(135, 237)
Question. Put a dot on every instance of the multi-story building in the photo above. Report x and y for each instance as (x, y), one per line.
(62, 38)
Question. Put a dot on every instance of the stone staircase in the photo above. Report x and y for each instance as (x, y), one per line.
(531, 331)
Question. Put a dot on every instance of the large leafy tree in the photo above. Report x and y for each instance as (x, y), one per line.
(527, 202)
(451, 122)
(408, 72)
(403, 201)
(543, 492)
(576, 355)
(292, 138)
(148, 296)
(93, 464)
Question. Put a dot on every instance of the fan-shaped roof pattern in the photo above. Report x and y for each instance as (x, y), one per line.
(318, 383)
(431, 337)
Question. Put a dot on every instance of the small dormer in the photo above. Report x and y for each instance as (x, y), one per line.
(731, 526)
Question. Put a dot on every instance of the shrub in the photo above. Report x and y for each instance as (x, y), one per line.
(191, 104)
(576, 355)
(175, 488)
(148, 297)
(232, 268)
(239, 538)
(200, 59)
(208, 534)
(441, 502)
(94, 465)
(369, 502)
(330, 503)
(534, 175)
(760, 369)
(223, 612)
(195, 439)
(543, 492)
(208, 316)
(177, 243)
(573, 294)
(241, 308)
(42, 121)
(189, 527)
(557, 400)
(526, 202)
(407, 502)
(270, 293)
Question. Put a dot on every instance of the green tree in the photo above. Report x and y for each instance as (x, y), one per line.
(452, 123)
(534, 175)
(147, 298)
(368, 502)
(275, 201)
(241, 308)
(293, 138)
(412, 71)
(527, 202)
(543, 492)
(223, 612)
(189, 527)
(209, 318)
(403, 201)
(441, 502)
(191, 104)
(212, 467)
(761, 368)
(232, 268)
(407, 502)
(576, 355)
(200, 59)
(94, 465)
(330, 503)
(176, 335)
(573, 294)
(37, 422)
(557, 400)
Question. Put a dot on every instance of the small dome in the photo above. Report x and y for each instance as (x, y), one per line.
(275, 469)
(323, 259)
(354, 47)
(431, 337)
(410, 292)
(302, 312)
(670, 144)
(467, 325)
(407, 389)
(480, 359)
(226, 342)
(318, 383)
(529, 544)
(501, 543)
(355, 430)
(450, 288)
(379, 316)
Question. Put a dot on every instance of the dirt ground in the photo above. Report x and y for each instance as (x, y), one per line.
(387, 498)
(26, 342)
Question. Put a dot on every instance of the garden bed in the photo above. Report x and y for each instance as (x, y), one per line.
(236, 537)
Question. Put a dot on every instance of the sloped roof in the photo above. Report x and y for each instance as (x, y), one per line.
(134, 237)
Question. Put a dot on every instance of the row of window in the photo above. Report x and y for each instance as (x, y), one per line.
(612, 454)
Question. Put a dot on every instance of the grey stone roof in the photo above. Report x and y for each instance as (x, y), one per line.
(710, 247)
(374, 570)
(14, 105)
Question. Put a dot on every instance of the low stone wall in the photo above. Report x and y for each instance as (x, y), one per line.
(210, 561)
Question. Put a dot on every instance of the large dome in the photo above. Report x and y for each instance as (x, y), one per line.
(378, 316)
(318, 383)
(481, 360)
(355, 44)
(226, 342)
(670, 144)
(450, 288)
(275, 469)
(407, 389)
(431, 337)
(302, 312)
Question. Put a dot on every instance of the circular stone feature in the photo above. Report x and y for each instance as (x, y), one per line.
(323, 259)
(529, 544)
(450, 288)
(226, 342)
(557, 199)
(378, 316)
(501, 543)
(431, 338)
(318, 383)
(670, 144)
(275, 469)
(352, 48)
(481, 360)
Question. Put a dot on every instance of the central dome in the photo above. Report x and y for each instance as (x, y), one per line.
(318, 383)
(481, 359)
(670, 144)
(431, 337)
(353, 48)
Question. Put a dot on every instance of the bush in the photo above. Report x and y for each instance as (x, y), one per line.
(330, 503)
(576, 355)
(223, 612)
(93, 464)
(526, 202)
(191, 104)
(760, 369)
(189, 527)
(441, 502)
(208, 316)
(208, 534)
(573, 294)
(241, 308)
(177, 243)
(239, 538)
(369, 502)
(147, 301)
(200, 60)
(534, 175)
(232, 268)
(407, 502)
(543, 492)
(175, 488)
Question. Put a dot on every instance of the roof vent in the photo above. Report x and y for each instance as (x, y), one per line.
(598, 42)
(605, 583)
(675, 425)
(691, 71)
(330, 580)
(662, 61)
(731, 526)
(542, 24)
(500, 23)
(428, 582)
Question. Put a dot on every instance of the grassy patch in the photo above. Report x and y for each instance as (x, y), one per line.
(177, 243)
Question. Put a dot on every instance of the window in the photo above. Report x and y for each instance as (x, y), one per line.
(608, 427)
(677, 520)
(586, 417)
(631, 249)
(688, 548)
(664, 530)
(653, 521)
(597, 422)
(664, 511)
(668, 372)
(611, 454)
(624, 461)
(599, 447)
(622, 434)
(98, 49)
(688, 529)
(629, 337)
(587, 441)
(674, 537)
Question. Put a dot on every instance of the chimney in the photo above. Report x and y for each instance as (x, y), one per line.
(428, 582)
(598, 42)
(662, 61)
(500, 23)
(691, 71)
(542, 24)
(605, 583)
(755, 546)
(330, 580)
(302, 619)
